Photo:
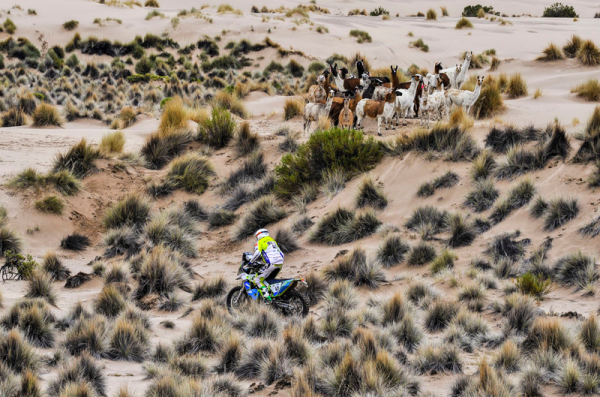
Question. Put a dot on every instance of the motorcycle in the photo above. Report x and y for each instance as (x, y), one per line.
(285, 293)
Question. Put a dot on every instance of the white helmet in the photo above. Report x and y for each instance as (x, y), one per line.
(260, 233)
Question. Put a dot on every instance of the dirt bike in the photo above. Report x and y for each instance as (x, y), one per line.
(285, 293)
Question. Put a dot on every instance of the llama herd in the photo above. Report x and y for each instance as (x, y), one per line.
(353, 99)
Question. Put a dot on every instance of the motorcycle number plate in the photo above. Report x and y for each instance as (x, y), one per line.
(275, 288)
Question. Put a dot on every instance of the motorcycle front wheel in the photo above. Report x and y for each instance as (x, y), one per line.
(237, 298)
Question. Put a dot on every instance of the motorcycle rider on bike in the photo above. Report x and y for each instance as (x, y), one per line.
(268, 254)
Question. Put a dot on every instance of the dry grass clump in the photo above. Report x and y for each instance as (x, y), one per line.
(576, 269)
(160, 273)
(159, 150)
(109, 302)
(444, 181)
(434, 359)
(190, 172)
(518, 197)
(14, 117)
(211, 288)
(53, 266)
(588, 54)
(547, 333)
(264, 212)
(231, 102)
(572, 47)
(392, 251)
(357, 269)
(444, 261)
(46, 115)
(343, 226)
(133, 210)
(431, 15)
(129, 341)
(462, 231)
(519, 311)
(79, 159)
(16, 353)
(174, 117)
(589, 90)
(86, 335)
(421, 254)
(113, 142)
(439, 314)
(246, 141)
(50, 204)
(370, 194)
(292, 107)
(427, 221)
(506, 246)
(127, 116)
(483, 196)
(490, 102)
(558, 212)
(464, 23)
(508, 357)
(483, 166)
(40, 286)
(219, 218)
(517, 87)
(81, 376)
(551, 53)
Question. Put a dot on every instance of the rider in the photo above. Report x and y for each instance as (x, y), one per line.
(266, 251)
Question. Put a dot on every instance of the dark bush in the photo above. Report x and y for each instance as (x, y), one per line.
(558, 10)
(343, 226)
(75, 242)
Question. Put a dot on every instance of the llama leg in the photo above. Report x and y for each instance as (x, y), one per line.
(379, 125)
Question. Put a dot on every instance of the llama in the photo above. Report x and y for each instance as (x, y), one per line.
(312, 111)
(462, 70)
(338, 105)
(318, 92)
(380, 92)
(424, 108)
(464, 98)
(374, 79)
(405, 99)
(346, 118)
(380, 110)
(453, 73)
(438, 103)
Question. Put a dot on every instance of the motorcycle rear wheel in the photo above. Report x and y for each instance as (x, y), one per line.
(298, 304)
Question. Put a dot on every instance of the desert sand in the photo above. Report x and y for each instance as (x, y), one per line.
(517, 45)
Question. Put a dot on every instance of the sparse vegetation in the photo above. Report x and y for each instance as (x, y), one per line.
(361, 36)
(464, 23)
(50, 204)
(551, 53)
(343, 226)
(588, 54)
(71, 25)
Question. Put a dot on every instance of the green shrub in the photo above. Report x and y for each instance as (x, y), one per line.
(24, 265)
(51, 204)
(71, 25)
(218, 130)
(347, 150)
(295, 69)
(361, 36)
(535, 285)
(558, 10)
(9, 26)
(379, 11)
(473, 11)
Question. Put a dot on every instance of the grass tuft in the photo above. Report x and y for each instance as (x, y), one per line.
(551, 53)
(343, 226)
(46, 115)
(392, 251)
(79, 159)
(370, 194)
(444, 181)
